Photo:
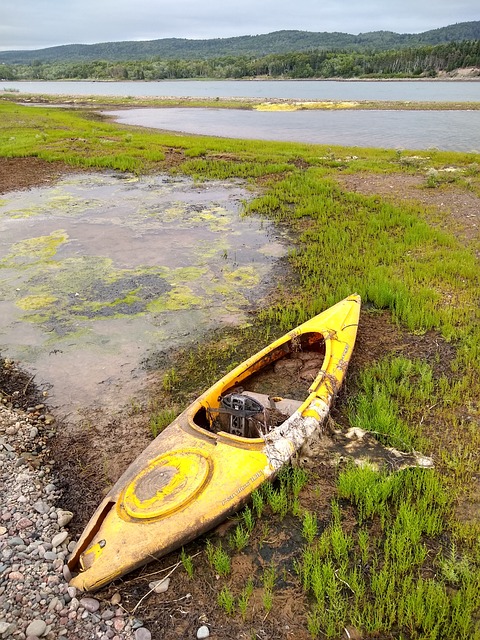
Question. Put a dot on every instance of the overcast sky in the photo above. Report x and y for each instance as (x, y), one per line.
(36, 24)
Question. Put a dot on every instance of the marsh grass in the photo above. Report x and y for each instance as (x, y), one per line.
(161, 419)
(226, 600)
(244, 598)
(218, 558)
(187, 563)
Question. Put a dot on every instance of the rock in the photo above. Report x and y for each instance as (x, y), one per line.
(3, 530)
(142, 634)
(67, 574)
(203, 632)
(41, 506)
(36, 628)
(90, 604)
(119, 624)
(59, 538)
(108, 614)
(16, 575)
(64, 517)
(6, 629)
(160, 586)
(24, 523)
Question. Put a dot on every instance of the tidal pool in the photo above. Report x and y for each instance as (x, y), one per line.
(100, 271)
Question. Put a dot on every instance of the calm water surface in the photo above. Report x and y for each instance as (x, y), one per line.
(100, 272)
(419, 91)
(447, 130)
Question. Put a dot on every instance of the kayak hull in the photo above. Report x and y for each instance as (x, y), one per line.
(205, 465)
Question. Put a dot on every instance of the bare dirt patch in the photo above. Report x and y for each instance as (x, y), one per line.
(459, 209)
(26, 173)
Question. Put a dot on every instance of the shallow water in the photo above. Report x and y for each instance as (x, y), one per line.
(100, 271)
(446, 130)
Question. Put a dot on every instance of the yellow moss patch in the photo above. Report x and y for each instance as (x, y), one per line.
(35, 302)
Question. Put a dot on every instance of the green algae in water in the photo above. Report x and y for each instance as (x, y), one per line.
(34, 251)
(246, 276)
(181, 297)
(214, 218)
(187, 274)
(36, 302)
(55, 202)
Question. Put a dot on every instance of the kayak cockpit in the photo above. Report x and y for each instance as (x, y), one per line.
(252, 401)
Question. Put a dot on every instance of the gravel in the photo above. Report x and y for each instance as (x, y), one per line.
(35, 598)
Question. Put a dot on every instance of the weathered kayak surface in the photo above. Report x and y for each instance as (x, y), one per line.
(204, 466)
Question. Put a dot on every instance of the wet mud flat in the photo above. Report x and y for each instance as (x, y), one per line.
(98, 271)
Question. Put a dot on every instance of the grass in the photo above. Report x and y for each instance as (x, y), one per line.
(391, 556)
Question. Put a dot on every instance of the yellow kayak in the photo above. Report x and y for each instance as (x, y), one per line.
(204, 466)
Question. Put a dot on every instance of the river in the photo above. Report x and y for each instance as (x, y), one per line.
(414, 90)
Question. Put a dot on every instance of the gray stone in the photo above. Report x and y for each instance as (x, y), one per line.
(108, 614)
(6, 629)
(36, 628)
(41, 507)
(142, 634)
(59, 538)
(90, 604)
(67, 574)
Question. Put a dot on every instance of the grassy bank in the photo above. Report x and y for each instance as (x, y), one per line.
(387, 555)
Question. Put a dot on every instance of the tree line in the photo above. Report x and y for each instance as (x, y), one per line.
(425, 61)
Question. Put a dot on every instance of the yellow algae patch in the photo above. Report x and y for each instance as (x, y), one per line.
(298, 106)
(35, 302)
(247, 276)
(34, 250)
(181, 297)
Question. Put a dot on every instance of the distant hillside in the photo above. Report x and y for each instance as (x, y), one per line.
(260, 45)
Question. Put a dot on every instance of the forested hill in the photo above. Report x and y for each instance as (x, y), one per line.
(272, 43)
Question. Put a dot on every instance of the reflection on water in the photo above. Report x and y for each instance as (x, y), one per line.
(99, 271)
(448, 130)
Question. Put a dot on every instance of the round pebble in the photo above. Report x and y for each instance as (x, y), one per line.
(90, 604)
(142, 634)
(36, 628)
(203, 632)
(160, 586)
